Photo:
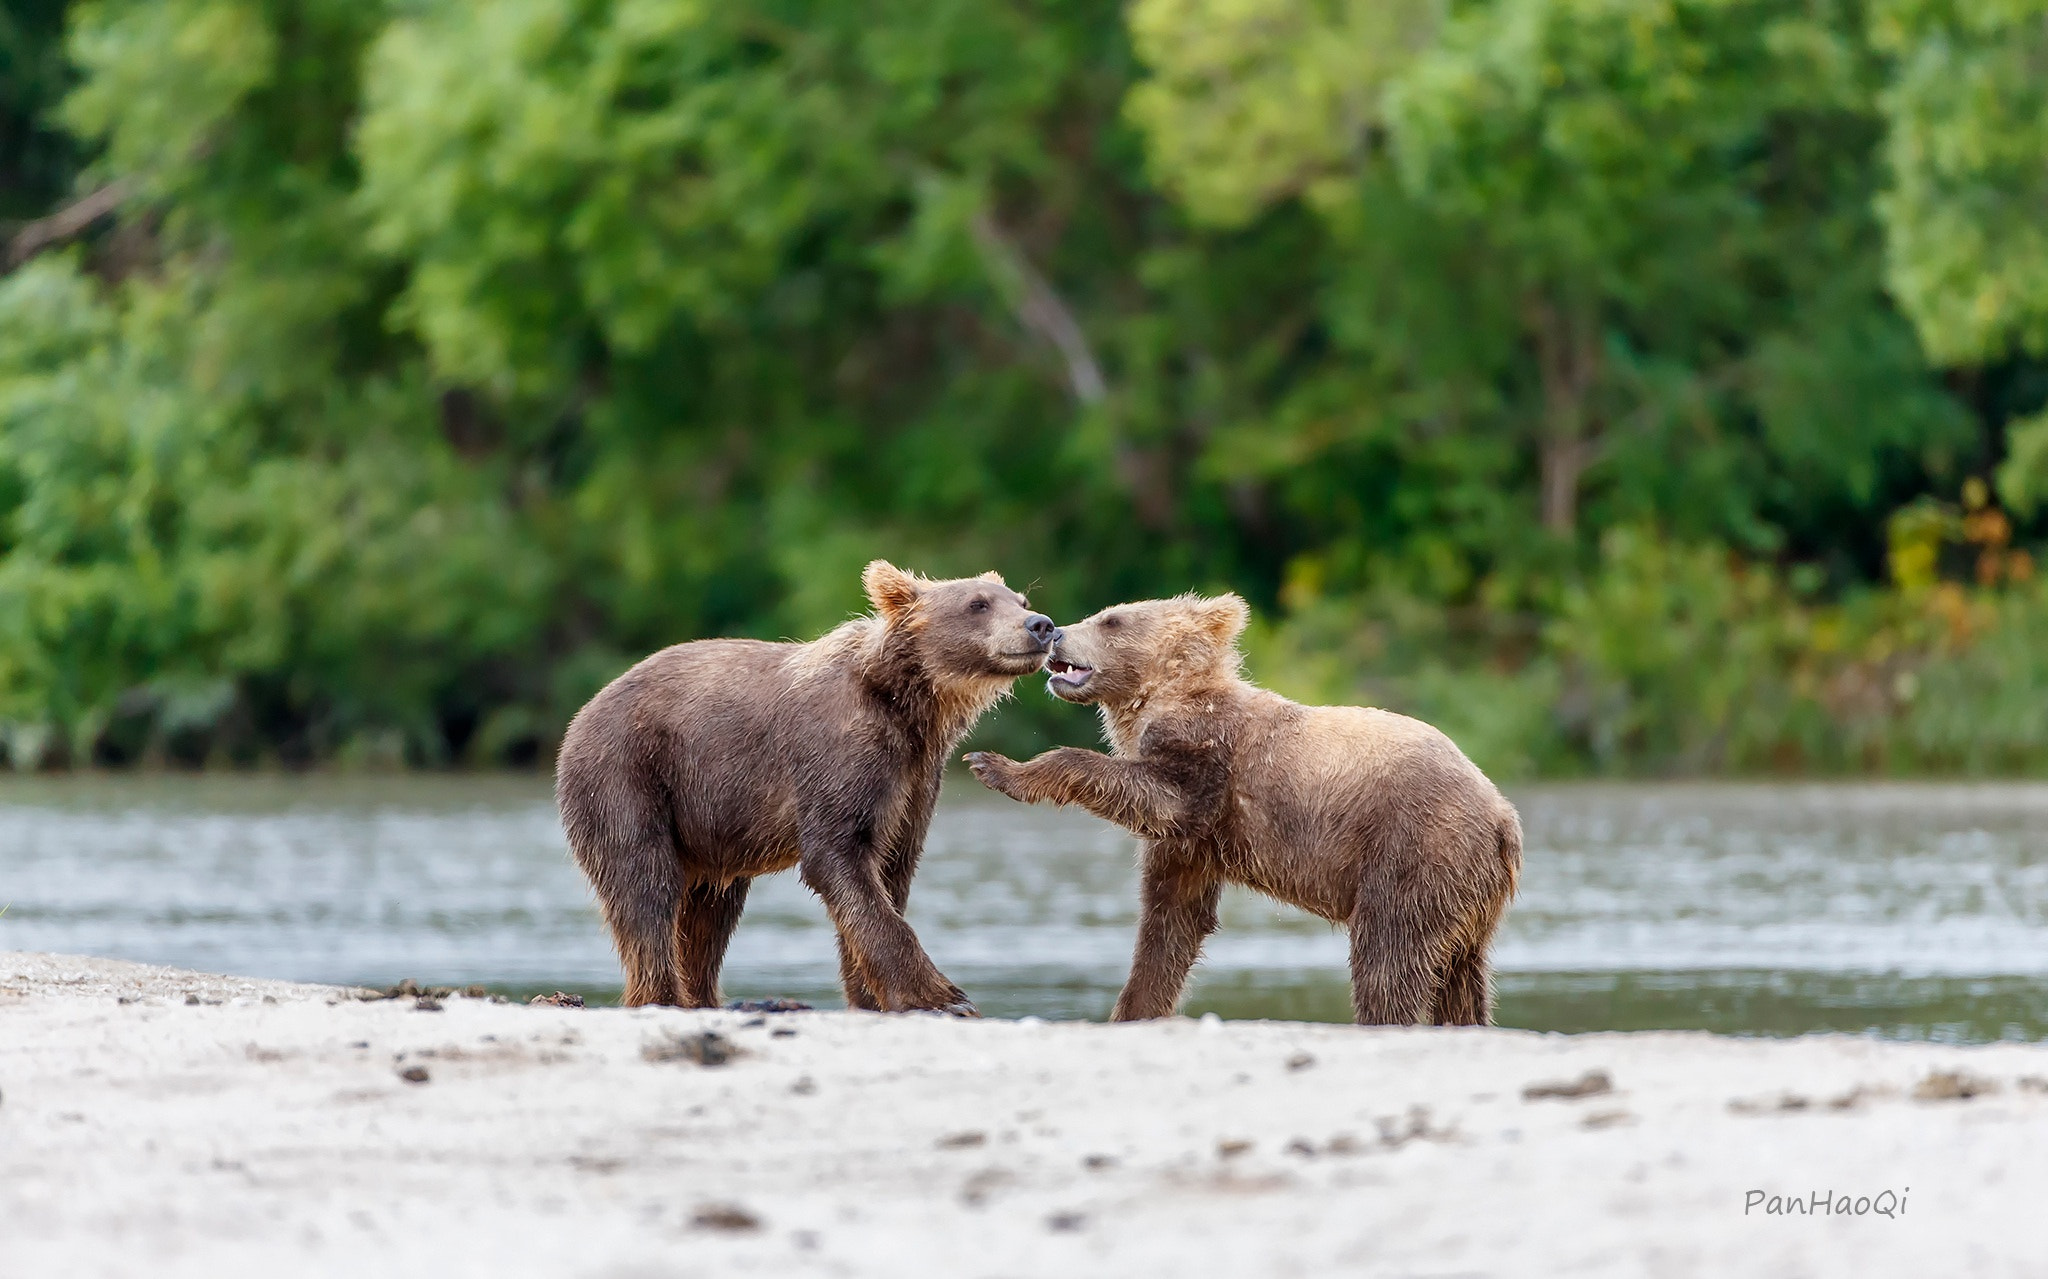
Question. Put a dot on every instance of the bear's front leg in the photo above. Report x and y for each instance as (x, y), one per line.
(1130, 792)
(882, 964)
(1177, 912)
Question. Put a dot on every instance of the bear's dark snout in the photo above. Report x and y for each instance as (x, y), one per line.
(1042, 629)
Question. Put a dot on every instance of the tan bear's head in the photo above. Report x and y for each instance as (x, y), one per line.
(1130, 652)
(967, 628)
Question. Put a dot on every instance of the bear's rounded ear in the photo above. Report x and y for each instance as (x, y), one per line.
(1224, 616)
(890, 589)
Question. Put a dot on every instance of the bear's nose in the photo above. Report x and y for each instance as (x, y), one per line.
(1042, 629)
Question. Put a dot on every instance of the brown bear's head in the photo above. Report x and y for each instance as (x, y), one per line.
(968, 628)
(1127, 653)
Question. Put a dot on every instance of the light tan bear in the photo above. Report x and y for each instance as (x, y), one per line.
(1364, 817)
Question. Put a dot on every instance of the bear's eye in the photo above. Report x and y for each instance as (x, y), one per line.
(1111, 622)
(977, 606)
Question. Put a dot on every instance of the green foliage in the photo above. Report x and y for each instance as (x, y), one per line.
(1251, 101)
(733, 245)
(163, 556)
(1968, 110)
(1675, 659)
(1529, 363)
(1591, 234)
(2023, 479)
(232, 522)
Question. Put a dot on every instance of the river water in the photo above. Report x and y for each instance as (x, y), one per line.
(1903, 910)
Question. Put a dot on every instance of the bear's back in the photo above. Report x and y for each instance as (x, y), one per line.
(712, 733)
(1316, 788)
(1318, 768)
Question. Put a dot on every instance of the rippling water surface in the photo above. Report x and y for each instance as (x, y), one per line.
(1909, 910)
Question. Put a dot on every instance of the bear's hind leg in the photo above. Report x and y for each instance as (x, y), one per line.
(704, 921)
(1466, 997)
(623, 839)
(1399, 951)
(643, 931)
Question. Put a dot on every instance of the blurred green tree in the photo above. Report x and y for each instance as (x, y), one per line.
(1612, 233)
(1967, 247)
(232, 522)
(377, 379)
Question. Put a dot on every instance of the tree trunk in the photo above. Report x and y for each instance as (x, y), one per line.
(1568, 360)
(1562, 461)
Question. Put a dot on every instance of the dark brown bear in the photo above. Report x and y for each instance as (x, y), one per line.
(1364, 817)
(710, 763)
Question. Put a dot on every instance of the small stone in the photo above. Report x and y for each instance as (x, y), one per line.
(1784, 1102)
(426, 1004)
(1066, 1222)
(560, 999)
(726, 1217)
(1097, 1163)
(1301, 1061)
(1590, 1084)
(975, 1192)
(1232, 1147)
(768, 1006)
(804, 1086)
(706, 1048)
(1952, 1085)
(961, 1140)
(414, 1074)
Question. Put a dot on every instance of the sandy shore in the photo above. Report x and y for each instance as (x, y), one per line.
(157, 1122)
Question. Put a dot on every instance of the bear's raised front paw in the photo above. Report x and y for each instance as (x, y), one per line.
(994, 771)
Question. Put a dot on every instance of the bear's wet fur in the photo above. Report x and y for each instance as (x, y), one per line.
(711, 763)
(1361, 816)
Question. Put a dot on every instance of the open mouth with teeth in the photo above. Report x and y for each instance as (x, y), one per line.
(1063, 674)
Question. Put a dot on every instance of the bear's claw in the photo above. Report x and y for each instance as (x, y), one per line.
(992, 771)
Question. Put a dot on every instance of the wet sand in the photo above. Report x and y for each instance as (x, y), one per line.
(159, 1122)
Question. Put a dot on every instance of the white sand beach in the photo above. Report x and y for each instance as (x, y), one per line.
(165, 1123)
